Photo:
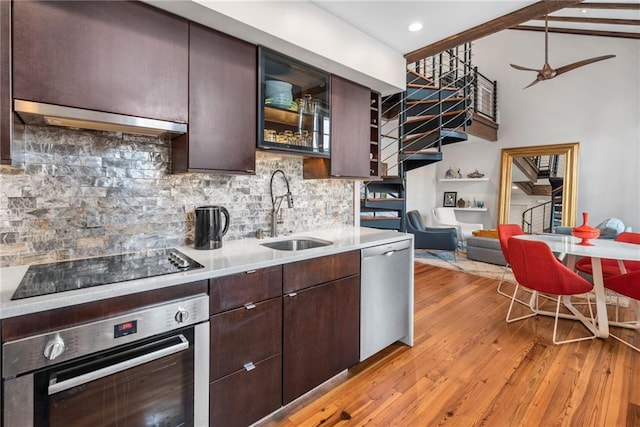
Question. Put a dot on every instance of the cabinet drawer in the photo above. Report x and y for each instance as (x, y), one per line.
(303, 274)
(246, 396)
(236, 290)
(245, 335)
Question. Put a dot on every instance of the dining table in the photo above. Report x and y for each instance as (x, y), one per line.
(571, 249)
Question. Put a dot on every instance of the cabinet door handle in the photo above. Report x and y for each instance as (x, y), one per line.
(292, 294)
(249, 366)
(249, 272)
(389, 253)
(249, 305)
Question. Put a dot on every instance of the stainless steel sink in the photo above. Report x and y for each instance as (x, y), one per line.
(296, 244)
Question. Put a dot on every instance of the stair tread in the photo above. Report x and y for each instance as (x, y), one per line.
(435, 101)
(384, 199)
(432, 87)
(415, 136)
(420, 75)
(432, 116)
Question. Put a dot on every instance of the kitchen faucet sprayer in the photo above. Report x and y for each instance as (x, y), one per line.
(277, 201)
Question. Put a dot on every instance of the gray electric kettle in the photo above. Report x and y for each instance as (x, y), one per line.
(209, 229)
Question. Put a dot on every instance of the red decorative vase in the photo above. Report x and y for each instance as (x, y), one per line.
(585, 231)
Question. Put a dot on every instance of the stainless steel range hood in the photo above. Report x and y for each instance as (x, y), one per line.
(56, 115)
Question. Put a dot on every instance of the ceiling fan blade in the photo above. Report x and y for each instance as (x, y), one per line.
(582, 63)
(531, 84)
(520, 67)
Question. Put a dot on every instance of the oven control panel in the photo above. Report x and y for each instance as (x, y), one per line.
(42, 350)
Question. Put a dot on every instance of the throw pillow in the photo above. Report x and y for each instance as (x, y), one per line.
(610, 228)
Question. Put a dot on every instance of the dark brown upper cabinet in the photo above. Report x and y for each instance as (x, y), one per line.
(222, 99)
(294, 106)
(350, 134)
(5, 82)
(111, 56)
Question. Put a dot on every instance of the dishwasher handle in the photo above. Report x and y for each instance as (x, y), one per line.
(386, 250)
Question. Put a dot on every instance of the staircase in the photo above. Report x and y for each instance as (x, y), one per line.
(557, 184)
(544, 217)
(435, 110)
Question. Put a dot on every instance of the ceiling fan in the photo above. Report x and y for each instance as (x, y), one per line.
(547, 73)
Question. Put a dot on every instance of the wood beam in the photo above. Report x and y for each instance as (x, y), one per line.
(519, 16)
(617, 34)
(626, 6)
(587, 20)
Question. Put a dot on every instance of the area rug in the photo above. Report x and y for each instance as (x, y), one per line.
(445, 259)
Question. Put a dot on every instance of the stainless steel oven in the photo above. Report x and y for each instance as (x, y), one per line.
(149, 367)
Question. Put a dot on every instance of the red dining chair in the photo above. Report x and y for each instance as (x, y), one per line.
(629, 286)
(505, 231)
(610, 267)
(536, 268)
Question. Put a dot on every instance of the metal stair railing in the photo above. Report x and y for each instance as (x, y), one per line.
(453, 77)
(485, 95)
(538, 219)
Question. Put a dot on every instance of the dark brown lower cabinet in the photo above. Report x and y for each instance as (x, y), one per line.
(267, 348)
(246, 363)
(246, 396)
(321, 335)
(245, 335)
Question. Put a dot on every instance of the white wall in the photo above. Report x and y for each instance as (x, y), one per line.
(304, 31)
(597, 106)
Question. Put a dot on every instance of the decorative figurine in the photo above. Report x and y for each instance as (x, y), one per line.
(449, 173)
(475, 174)
(461, 203)
(458, 175)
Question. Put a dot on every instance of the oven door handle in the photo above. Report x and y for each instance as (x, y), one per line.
(56, 387)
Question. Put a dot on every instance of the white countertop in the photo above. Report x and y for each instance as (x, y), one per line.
(234, 257)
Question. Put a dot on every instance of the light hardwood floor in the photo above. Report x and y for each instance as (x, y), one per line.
(468, 367)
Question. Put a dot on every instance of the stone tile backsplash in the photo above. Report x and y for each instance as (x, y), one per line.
(84, 193)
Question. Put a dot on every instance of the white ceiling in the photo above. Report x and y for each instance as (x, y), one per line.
(387, 21)
(361, 40)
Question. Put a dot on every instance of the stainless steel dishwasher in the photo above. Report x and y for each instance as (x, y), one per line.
(386, 296)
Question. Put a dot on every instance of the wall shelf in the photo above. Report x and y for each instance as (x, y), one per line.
(462, 179)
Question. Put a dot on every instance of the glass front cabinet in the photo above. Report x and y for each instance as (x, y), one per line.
(293, 106)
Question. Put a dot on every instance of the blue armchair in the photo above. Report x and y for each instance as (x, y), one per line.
(431, 238)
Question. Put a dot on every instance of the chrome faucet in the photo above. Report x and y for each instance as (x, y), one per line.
(276, 212)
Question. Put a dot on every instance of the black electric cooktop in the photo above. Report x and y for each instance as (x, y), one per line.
(64, 276)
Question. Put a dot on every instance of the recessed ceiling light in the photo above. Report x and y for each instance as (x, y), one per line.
(416, 26)
(584, 10)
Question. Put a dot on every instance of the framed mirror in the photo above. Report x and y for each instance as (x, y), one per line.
(569, 160)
